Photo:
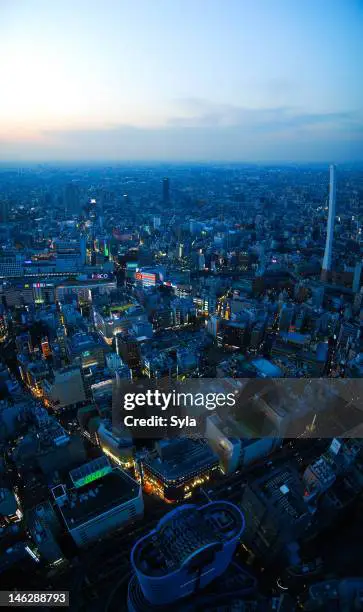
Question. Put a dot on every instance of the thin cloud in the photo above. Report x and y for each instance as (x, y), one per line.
(193, 143)
(207, 131)
(199, 112)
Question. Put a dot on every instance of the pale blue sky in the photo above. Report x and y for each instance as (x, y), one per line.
(181, 79)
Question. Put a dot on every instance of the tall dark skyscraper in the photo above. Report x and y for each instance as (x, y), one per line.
(4, 211)
(71, 198)
(166, 190)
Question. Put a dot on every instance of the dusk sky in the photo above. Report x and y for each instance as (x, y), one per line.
(221, 80)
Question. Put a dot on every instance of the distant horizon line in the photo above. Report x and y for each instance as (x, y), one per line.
(162, 162)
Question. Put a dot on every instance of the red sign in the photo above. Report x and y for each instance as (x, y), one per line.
(145, 276)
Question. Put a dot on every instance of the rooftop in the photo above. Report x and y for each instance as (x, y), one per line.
(81, 342)
(295, 337)
(184, 532)
(266, 368)
(96, 498)
(283, 491)
(322, 471)
(179, 458)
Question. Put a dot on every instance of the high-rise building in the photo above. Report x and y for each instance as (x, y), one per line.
(276, 513)
(3, 327)
(356, 277)
(223, 443)
(71, 198)
(46, 350)
(83, 249)
(166, 190)
(286, 317)
(201, 260)
(180, 250)
(330, 229)
(257, 334)
(232, 334)
(318, 477)
(128, 349)
(235, 587)
(213, 325)
(4, 211)
(358, 300)
(190, 547)
(62, 340)
(317, 296)
(156, 222)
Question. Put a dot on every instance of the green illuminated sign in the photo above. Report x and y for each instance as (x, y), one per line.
(94, 476)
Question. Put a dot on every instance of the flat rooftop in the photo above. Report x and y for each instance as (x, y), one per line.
(283, 490)
(266, 367)
(98, 497)
(180, 458)
(82, 342)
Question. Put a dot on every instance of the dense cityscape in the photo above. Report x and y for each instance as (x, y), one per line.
(181, 305)
(249, 276)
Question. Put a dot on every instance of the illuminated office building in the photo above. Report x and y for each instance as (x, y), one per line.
(116, 443)
(97, 283)
(10, 510)
(3, 328)
(46, 350)
(177, 467)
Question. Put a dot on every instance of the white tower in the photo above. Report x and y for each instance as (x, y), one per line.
(330, 230)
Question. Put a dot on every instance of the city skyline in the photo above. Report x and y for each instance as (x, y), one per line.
(181, 366)
(181, 81)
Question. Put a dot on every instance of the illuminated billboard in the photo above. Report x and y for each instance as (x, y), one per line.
(146, 276)
(102, 276)
(93, 470)
(91, 477)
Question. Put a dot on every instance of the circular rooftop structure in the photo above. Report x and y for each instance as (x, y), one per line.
(191, 546)
(184, 535)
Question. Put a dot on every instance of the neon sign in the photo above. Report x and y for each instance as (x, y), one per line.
(94, 476)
